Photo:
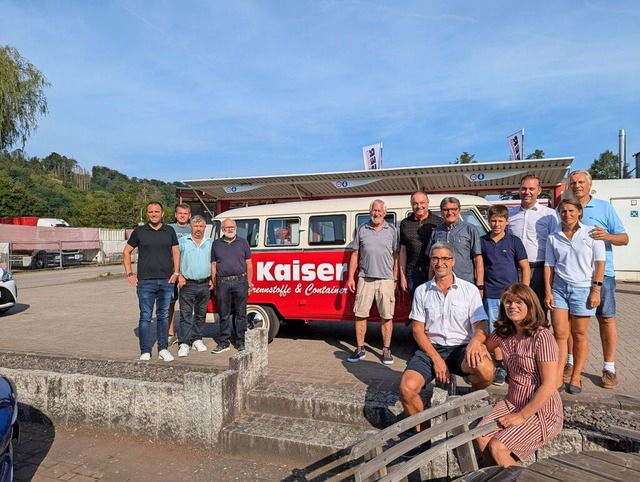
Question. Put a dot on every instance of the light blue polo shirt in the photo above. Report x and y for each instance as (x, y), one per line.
(599, 212)
(195, 261)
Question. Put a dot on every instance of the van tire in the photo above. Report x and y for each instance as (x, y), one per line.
(260, 316)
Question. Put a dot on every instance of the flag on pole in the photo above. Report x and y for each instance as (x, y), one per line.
(372, 156)
(516, 144)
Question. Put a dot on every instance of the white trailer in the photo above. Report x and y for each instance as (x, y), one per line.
(624, 196)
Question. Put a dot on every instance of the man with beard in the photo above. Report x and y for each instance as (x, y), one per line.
(231, 272)
(375, 258)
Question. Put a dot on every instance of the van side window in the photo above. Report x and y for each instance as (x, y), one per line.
(327, 230)
(283, 231)
(249, 230)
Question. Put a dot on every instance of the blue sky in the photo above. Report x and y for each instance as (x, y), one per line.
(176, 90)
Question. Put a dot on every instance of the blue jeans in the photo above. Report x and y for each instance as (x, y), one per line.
(150, 292)
(194, 298)
(234, 293)
(492, 307)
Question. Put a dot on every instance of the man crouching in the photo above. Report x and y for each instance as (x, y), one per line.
(446, 316)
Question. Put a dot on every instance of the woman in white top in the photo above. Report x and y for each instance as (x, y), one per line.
(573, 274)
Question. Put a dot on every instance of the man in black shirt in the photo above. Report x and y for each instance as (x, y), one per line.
(158, 270)
(415, 233)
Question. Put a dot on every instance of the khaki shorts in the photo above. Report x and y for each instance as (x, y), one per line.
(382, 290)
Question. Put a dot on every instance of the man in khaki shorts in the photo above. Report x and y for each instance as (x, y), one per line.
(375, 258)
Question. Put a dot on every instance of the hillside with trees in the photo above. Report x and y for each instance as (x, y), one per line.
(56, 186)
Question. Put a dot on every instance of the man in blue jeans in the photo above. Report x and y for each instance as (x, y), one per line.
(158, 270)
(195, 286)
(231, 272)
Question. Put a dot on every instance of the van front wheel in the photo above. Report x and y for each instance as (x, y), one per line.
(259, 316)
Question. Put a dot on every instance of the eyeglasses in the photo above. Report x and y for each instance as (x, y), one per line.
(453, 210)
(444, 259)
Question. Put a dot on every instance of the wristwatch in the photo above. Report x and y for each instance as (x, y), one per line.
(129, 274)
(480, 287)
(597, 283)
(176, 274)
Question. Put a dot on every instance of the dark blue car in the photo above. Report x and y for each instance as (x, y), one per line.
(9, 429)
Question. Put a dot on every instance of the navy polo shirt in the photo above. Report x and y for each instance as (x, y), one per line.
(501, 263)
(230, 257)
(155, 253)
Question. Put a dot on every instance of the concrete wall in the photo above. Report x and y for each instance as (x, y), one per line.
(199, 407)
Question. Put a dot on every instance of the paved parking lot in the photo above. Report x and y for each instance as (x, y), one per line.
(92, 312)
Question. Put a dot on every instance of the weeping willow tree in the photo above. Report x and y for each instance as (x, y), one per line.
(22, 99)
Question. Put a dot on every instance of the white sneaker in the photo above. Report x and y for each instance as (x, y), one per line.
(183, 350)
(165, 355)
(145, 357)
(198, 345)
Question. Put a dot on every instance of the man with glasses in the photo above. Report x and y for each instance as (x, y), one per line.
(449, 325)
(465, 240)
(231, 272)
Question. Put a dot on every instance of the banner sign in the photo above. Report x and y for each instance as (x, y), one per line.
(516, 144)
(492, 176)
(372, 156)
(347, 183)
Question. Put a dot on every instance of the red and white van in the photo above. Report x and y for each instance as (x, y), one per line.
(301, 255)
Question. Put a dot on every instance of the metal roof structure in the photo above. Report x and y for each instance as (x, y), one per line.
(476, 177)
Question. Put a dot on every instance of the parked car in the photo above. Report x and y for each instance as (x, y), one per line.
(46, 259)
(9, 428)
(8, 291)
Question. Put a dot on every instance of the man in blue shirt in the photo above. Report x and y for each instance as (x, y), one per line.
(608, 228)
(465, 239)
(195, 286)
(232, 273)
(181, 227)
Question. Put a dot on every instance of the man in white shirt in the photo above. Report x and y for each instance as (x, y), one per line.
(449, 325)
(533, 223)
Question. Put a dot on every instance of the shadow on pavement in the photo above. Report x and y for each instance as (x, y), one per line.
(37, 434)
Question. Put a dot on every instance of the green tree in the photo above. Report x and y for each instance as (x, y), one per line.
(22, 98)
(607, 167)
(537, 154)
(465, 158)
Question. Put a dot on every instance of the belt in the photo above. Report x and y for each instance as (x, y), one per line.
(416, 268)
(199, 281)
(538, 264)
(232, 277)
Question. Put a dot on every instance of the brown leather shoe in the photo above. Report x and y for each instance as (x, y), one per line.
(609, 379)
(568, 371)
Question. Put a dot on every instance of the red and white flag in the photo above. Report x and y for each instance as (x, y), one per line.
(372, 156)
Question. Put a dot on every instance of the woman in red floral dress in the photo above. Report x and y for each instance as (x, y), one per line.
(531, 414)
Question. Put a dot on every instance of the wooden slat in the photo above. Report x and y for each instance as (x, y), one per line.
(626, 400)
(465, 453)
(395, 452)
(397, 472)
(361, 448)
(550, 470)
(631, 461)
(598, 464)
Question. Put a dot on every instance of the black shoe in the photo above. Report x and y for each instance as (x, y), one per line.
(222, 347)
(241, 347)
(357, 355)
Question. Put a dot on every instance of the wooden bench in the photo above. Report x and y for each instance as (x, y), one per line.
(379, 457)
